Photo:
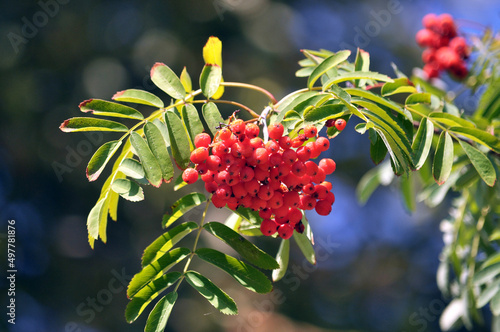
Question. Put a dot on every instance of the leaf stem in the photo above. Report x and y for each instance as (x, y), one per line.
(195, 245)
(252, 87)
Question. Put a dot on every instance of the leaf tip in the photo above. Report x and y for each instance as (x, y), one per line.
(156, 65)
(118, 94)
(64, 125)
(84, 103)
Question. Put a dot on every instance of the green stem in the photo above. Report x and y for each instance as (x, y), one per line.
(195, 245)
(251, 87)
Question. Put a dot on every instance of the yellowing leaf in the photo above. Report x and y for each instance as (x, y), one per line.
(212, 51)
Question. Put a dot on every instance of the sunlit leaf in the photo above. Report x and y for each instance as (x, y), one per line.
(245, 248)
(486, 274)
(183, 205)
(418, 98)
(305, 246)
(212, 51)
(443, 158)
(248, 276)
(210, 79)
(212, 116)
(179, 140)
(164, 78)
(128, 189)
(147, 294)
(450, 120)
(481, 163)
(132, 168)
(216, 296)
(488, 293)
(91, 124)
(107, 108)
(94, 218)
(479, 136)
(186, 80)
(139, 97)
(148, 160)
(100, 158)
(166, 242)
(330, 62)
(356, 75)
(158, 318)
(422, 142)
(158, 147)
(325, 112)
(155, 269)
(362, 63)
(192, 120)
(282, 258)
(400, 85)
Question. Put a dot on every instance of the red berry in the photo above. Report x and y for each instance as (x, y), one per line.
(308, 189)
(299, 227)
(429, 55)
(202, 140)
(323, 207)
(430, 21)
(247, 174)
(190, 175)
(310, 131)
(298, 168)
(219, 149)
(294, 216)
(447, 25)
(276, 130)
(225, 134)
(285, 142)
(285, 231)
(447, 57)
(340, 124)
(330, 123)
(322, 143)
(328, 165)
(268, 227)
(252, 187)
(218, 202)
(459, 45)
(307, 202)
(291, 199)
(303, 153)
(265, 213)
(276, 200)
(431, 70)
(327, 184)
(252, 130)
(289, 156)
(214, 163)
(211, 187)
(238, 127)
(199, 155)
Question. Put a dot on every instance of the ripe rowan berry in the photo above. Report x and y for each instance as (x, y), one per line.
(190, 175)
(199, 155)
(310, 131)
(285, 231)
(268, 227)
(340, 124)
(322, 143)
(202, 140)
(323, 207)
(328, 165)
(238, 127)
(252, 130)
(276, 130)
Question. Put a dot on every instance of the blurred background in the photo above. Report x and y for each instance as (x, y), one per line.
(376, 264)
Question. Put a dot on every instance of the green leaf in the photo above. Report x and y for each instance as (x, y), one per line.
(376, 98)
(408, 192)
(148, 160)
(158, 147)
(179, 183)
(362, 63)
(422, 142)
(108, 108)
(192, 120)
(245, 248)
(164, 78)
(210, 79)
(378, 150)
(248, 276)
(488, 293)
(249, 215)
(479, 136)
(94, 218)
(304, 72)
(155, 269)
(147, 294)
(91, 124)
(182, 206)
(325, 112)
(166, 242)
(495, 304)
(100, 158)
(443, 158)
(486, 274)
(330, 62)
(381, 174)
(450, 120)
(158, 318)
(186, 80)
(138, 97)
(216, 296)
(282, 258)
(132, 168)
(212, 116)
(400, 85)
(481, 163)
(305, 247)
(128, 189)
(179, 140)
(356, 75)
(418, 98)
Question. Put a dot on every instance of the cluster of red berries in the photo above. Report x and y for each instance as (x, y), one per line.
(445, 50)
(275, 178)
